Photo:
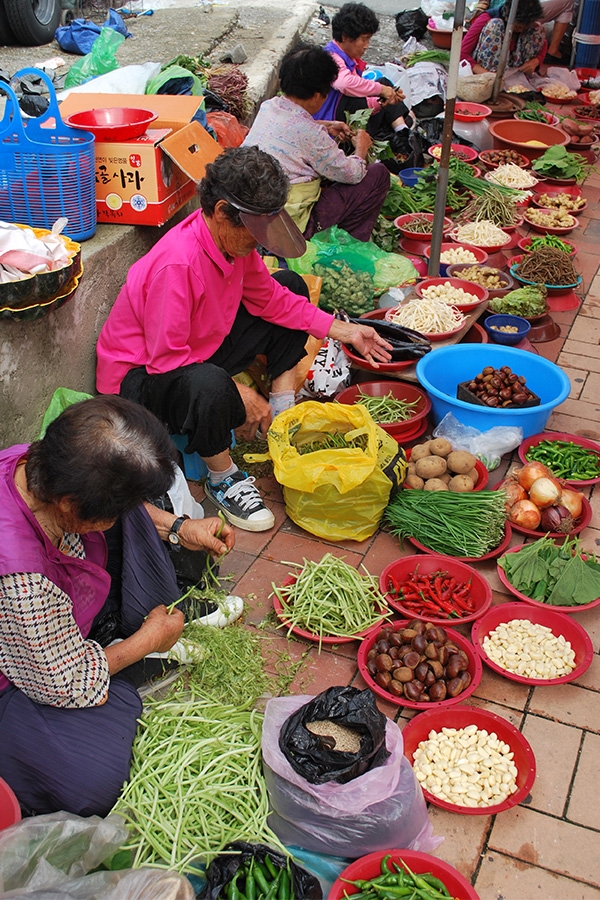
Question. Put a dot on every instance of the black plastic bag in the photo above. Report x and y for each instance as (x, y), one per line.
(223, 868)
(308, 753)
(411, 23)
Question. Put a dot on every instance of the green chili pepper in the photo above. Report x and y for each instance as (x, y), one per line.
(250, 885)
(285, 886)
(273, 889)
(272, 868)
(436, 883)
(262, 878)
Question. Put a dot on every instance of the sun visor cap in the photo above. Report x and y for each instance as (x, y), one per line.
(275, 231)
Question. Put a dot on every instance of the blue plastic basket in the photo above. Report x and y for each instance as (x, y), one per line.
(47, 169)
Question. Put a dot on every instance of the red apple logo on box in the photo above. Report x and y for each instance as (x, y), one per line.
(135, 160)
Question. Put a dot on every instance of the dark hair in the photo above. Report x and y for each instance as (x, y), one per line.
(250, 175)
(307, 70)
(528, 12)
(106, 454)
(352, 20)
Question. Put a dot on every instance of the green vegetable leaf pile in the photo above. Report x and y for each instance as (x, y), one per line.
(557, 162)
(526, 301)
(558, 576)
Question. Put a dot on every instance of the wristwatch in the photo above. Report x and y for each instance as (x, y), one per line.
(173, 535)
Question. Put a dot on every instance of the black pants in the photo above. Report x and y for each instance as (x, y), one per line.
(379, 125)
(201, 400)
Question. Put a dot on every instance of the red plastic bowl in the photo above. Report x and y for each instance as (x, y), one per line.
(10, 811)
(569, 610)
(467, 154)
(582, 522)
(469, 287)
(526, 241)
(309, 635)
(484, 156)
(418, 730)
(513, 134)
(435, 336)
(402, 221)
(401, 391)
(536, 439)
(368, 867)
(113, 123)
(405, 569)
(550, 229)
(572, 190)
(480, 255)
(471, 112)
(383, 368)
(475, 669)
(492, 554)
(558, 623)
(488, 250)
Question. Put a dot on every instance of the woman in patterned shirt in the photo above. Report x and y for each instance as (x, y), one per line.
(68, 705)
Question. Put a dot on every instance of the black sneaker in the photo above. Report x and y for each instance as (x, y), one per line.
(241, 502)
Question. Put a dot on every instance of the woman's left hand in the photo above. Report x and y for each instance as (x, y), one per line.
(530, 66)
(366, 340)
(339, 131)
(390, 95)
(201, 534)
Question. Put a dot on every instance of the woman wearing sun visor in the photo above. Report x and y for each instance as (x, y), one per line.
(198, 308)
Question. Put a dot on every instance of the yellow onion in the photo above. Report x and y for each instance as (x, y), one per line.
(530, 473)
(526, 514)
(545, 492)
(573, 500)
(514, 493)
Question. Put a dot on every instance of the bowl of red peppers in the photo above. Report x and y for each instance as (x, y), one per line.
(436, 589)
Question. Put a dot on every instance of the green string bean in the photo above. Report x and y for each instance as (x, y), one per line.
(387, 409)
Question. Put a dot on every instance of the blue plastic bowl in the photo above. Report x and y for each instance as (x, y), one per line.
(409, 177)
(440, 371)
(507, 337)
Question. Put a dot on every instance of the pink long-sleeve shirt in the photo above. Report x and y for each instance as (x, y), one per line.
(180, 301)
(354, 85)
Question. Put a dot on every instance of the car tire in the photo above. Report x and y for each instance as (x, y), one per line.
(33, 22)
(7, 38)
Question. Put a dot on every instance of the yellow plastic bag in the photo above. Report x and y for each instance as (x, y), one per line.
(338, 493)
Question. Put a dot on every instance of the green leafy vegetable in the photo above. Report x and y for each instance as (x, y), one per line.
(433, 56)
(564, 575)
(559, 163)
(526, 301)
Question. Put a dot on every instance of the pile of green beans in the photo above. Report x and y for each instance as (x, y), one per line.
(260, 881)
(566, 459)
(399, 883)
(331, 599)
(387, 409)
(455, 524)
(195, 785)
(336, 440)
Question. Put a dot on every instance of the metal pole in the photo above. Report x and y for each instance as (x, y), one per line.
(442, 175)
(504, 51)
(577, 27)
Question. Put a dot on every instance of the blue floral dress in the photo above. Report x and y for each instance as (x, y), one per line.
(523, 46)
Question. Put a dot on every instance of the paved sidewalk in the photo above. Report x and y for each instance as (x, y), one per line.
(548, 847)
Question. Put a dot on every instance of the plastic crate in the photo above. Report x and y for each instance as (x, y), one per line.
(47, 169)
(463, 393)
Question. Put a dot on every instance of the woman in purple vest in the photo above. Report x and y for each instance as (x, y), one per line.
(68, 703)
(352, 28)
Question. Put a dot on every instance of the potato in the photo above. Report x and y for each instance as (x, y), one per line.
(435, 484)
(411, 469)
(460, 484)
(445, 477)
(419, 451)
(413, 481)
(473, 474)
(440, 447)
(431, 467)
(461, 462)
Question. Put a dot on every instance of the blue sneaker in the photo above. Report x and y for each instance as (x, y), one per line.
(241, 502)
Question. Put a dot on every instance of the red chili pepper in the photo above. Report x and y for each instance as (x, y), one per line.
(393, 585)
(437, 586)
(461, 604)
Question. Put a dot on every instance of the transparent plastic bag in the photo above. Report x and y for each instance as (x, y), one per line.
(488, 446)
(101, 59)
(382, 808)
(52, 857)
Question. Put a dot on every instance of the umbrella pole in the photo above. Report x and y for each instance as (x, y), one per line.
(504, 51)
(442, 175)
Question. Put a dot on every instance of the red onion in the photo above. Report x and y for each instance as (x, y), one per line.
(545, 492)
(557, 518)
(526, 514)
(530, 472)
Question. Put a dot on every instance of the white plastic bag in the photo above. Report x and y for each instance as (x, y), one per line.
(488, 446)
(382, 808)
(125, 80)
(181, 498)
(329, 373)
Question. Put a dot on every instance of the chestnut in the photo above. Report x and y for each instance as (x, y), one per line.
(455, 666)
(382, 646)
(421, 671)
(413, 690)
(438, 691)
(419, 643)
(412, 659)
(395, 688)
(454, 687)
(383, 662)
(383, 679)
(403, 673)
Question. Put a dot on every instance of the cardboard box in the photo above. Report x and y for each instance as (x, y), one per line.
(145, 180)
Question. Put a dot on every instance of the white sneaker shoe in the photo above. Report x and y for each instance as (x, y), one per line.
(229, 611)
